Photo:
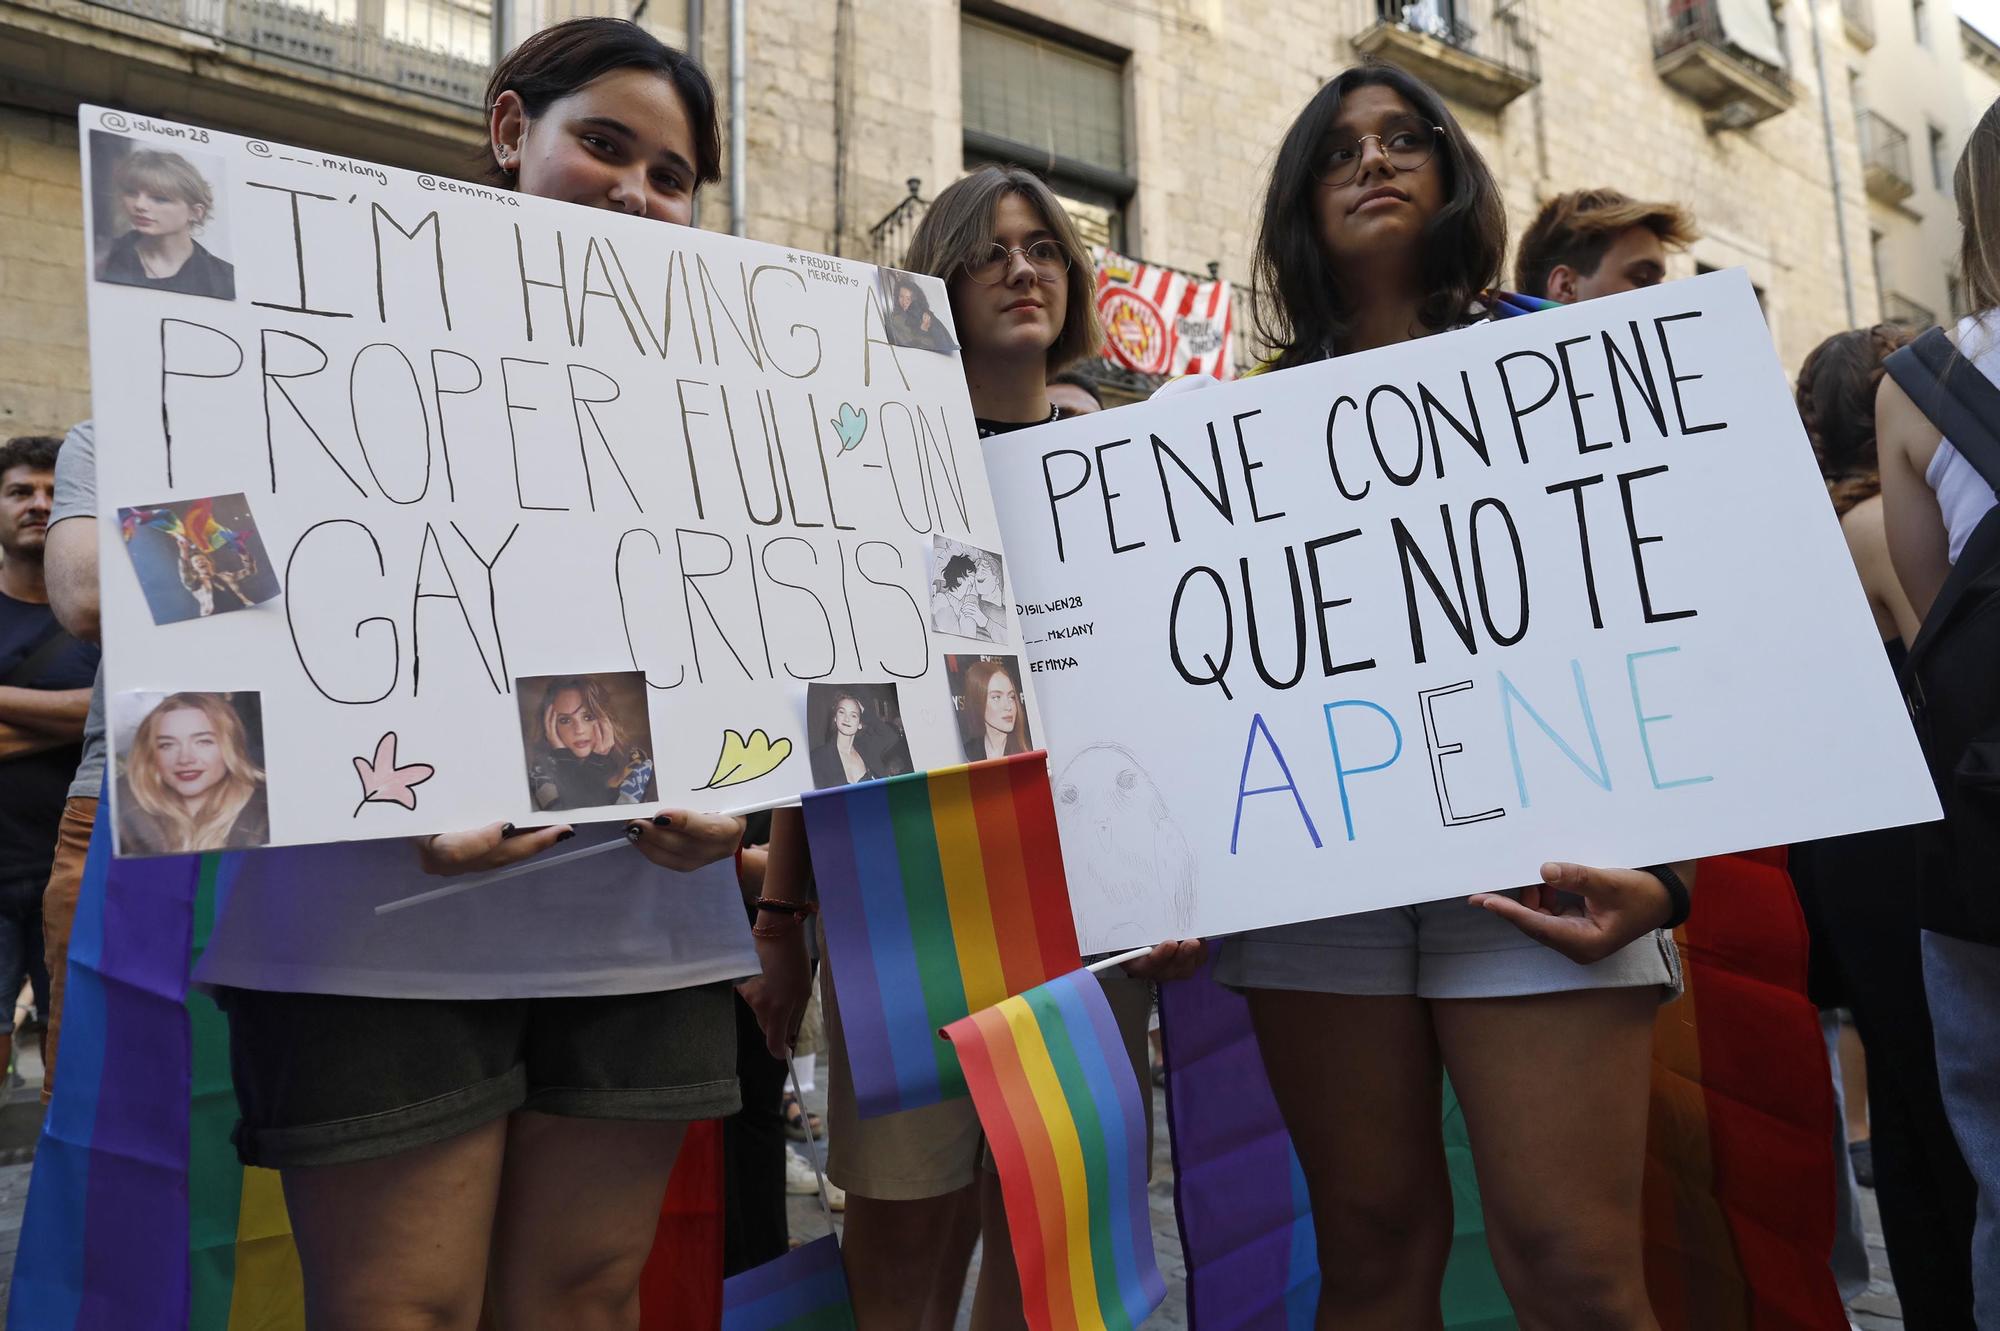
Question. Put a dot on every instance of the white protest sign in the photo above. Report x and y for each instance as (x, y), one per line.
(426, 505)
(1405, 625)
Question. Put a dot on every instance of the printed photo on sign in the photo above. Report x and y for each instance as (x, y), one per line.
(857, 733)
(158, 219)
(190, 772)
(992, 714)
(968, 591)
(588, 740)
(908, 315)
(197, 557)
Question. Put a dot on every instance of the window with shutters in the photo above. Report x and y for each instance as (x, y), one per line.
(1033, 101)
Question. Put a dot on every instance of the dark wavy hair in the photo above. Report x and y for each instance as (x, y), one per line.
(556, 61)
(34, 451)
(1836, 397)
(1301, 312)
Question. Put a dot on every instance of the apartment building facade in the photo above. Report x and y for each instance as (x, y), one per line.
(1156, 119)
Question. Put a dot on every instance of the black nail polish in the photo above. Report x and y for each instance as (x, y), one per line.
(633, 832)
(509, 830)
(661, 820)
(565, 834)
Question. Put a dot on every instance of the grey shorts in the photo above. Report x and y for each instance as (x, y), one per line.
(1439, 949)
(329, 1079)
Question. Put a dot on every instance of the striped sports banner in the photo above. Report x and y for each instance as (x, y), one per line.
(1058, 1098)
(1163, 321)
(942, 893)
(805, 1290)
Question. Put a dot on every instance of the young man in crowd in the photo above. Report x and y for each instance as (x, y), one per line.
(1597, 242)
(45, 678)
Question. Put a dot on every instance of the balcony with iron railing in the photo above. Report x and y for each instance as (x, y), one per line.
(1858, 17)
(1479, 53)
(1885, 158)
(1900, 309)
(439, 49)
(1729, 58)
(398, 81)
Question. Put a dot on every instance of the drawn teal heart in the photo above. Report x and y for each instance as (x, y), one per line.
(850, 425)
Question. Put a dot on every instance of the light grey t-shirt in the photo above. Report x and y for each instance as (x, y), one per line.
(76, 497)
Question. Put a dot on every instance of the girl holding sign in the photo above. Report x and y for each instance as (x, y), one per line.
(1382, 224)
(1022, 299)
(451, 1136)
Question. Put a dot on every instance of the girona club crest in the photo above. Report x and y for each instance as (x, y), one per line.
(1134, 333)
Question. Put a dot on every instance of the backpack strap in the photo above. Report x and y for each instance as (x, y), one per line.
(1957, 397)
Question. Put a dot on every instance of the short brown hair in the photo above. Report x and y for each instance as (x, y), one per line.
(959, 223)
(1575, 229)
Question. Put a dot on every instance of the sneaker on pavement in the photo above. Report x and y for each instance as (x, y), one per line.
(799, 1181)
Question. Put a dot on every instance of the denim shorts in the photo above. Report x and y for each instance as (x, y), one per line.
(326, 1079)
(1439, 949)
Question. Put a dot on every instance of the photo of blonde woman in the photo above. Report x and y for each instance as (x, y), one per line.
(588, 740)
(191, 775)
(164, 203)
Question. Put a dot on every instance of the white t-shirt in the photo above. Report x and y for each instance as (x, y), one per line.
(302, 919)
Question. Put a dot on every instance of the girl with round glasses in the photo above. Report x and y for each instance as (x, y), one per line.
(1382, 224)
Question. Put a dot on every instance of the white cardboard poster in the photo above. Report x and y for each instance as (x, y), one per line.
(1405, 625)
(426, 505)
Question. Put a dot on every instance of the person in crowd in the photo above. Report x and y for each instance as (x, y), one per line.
(191, 782)
(836, 759)
(70, 568)
(166, 203)
(1074, 393)
(445, 1178)
(1021, 289)
(1932, 500)
(45, 678)
(1597, 242)
(580, 753)
(1382, 224)
(991, 712)
(1866, 951)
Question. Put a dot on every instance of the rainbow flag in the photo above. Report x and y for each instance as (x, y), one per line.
(1739, 1192)
(805, 1290)
(1240, 1196)
(1056, 1094)
(943, 893)
(138, 1213)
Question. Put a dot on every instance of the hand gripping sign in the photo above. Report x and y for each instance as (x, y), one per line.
(1405, 625)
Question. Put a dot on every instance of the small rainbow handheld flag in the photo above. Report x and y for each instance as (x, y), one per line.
(805, 1290)
(943, 894)
(1060, 1104)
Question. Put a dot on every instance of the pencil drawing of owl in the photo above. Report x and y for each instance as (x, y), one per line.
(1123, 848)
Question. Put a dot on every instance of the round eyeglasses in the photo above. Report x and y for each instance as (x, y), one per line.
(1048, 259)
(1406, 146)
